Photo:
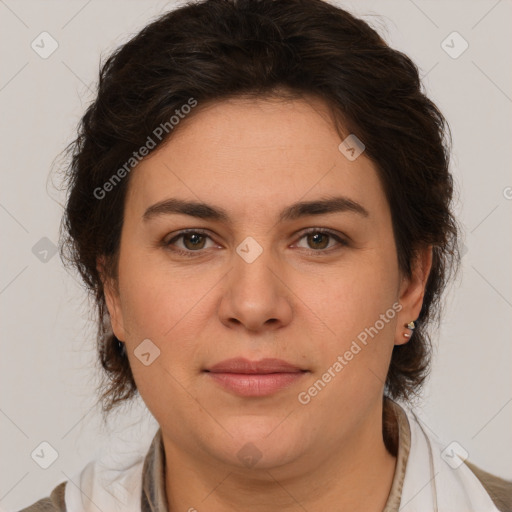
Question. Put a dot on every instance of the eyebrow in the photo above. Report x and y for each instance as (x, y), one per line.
(295, 211)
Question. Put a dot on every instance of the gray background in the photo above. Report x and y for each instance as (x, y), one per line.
(48, 368)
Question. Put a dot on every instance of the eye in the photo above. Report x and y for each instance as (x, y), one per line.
(193, 241)
(318, 240)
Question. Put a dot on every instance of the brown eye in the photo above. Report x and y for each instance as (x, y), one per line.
(192, 241)
(318, 240)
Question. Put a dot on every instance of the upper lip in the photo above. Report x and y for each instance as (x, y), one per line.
(263, 366)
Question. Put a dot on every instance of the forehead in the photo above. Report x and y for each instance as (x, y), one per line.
(243, 153)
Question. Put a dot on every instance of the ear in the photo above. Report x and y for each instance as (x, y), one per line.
(112, 299)
(412, 291)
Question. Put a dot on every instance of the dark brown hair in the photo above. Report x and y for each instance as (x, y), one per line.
(217, 49)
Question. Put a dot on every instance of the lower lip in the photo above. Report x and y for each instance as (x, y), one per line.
(255, 384)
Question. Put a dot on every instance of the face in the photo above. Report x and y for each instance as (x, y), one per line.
(257, 277)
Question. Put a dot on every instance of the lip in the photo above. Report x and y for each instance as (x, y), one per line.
(264, 366)
(255, 378)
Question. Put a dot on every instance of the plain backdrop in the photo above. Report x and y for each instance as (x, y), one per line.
(48, 366)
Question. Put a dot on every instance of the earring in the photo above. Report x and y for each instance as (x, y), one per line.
(121, 347)
(411, 326)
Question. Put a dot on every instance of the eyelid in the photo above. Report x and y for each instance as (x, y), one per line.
(339, 237)
(179, 234)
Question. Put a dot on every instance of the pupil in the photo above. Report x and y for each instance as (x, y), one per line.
(194, 238)
(316, 238)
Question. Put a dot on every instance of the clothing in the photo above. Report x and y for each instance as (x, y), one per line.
(423, 481)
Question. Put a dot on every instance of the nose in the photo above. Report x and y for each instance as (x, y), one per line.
(256, 297)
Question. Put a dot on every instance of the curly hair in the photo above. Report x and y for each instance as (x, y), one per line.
(219, 49)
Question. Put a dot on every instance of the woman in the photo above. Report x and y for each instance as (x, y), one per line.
(260, 204)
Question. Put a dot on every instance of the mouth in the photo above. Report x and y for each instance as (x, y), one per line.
(255, 378)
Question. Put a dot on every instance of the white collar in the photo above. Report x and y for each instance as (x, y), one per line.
(430, 483)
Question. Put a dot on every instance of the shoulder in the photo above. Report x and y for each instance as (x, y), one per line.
(53, 503)
(499, 489)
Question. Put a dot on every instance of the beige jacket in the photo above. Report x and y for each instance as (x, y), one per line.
(396, 434)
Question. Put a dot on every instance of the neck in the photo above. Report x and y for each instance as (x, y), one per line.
(357, 476)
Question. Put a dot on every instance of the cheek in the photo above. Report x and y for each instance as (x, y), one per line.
(154, 297)
(161, 306)
(355, 347)
(168, 306)
(361, 308)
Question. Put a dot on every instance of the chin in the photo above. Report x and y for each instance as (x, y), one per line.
(263, 442)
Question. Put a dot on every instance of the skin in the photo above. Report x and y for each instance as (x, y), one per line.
(304, 300)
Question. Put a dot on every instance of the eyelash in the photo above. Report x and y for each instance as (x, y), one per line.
(309, 231)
